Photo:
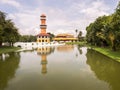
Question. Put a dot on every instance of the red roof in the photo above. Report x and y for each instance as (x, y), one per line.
(43, 34)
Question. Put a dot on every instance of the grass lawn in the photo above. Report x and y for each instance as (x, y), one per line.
(107, 52)
(5, 49)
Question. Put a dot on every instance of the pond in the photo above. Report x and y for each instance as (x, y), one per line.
(58, 68)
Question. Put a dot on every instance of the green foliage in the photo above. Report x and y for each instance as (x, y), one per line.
(51, 36)
(27, 38)
(80, 38)
(96, 31)
(2, 24)
(105, 30)
(8, 31)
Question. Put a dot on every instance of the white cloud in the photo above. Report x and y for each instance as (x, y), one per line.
(84, 14)
(96, 9)
(11, 2)
(77, 16)
(26, 21)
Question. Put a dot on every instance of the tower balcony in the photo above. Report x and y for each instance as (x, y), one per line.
(43, 18)
(43, 26)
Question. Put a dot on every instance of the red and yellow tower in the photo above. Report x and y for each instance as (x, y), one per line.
(43, 36)
(43, 25)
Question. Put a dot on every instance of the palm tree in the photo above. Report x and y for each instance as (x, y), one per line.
(79, 35)
(76, 32)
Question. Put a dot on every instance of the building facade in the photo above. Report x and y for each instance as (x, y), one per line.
(65, 37)
(43, 37)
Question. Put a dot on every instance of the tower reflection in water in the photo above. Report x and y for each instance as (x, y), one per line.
(44, 52)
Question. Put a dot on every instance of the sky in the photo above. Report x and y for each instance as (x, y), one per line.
(62, 16)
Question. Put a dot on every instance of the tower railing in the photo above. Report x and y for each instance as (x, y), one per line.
(43, 18)
(43, 26)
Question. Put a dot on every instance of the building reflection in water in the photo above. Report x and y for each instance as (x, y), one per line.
(69, 48)
(65, 48)
(44, 52)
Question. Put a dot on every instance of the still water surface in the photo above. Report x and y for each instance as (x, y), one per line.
(58, 68)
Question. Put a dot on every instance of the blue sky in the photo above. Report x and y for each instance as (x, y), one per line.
(63, 16)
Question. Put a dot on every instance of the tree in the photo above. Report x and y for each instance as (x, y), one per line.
(114, 29)
(116, 25)
(8, 31)
(97, 32)
(51, 36)
(105, 30)
(1, 33)
(11, 33)
(2, 24)
(80, 36)
(27, 38)
(76, 31)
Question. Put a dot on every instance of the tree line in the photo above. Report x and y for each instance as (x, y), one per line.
(105, 31)
(9, 32)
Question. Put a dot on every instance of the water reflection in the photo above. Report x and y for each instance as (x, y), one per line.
(43, 52)
(104, 68)
(9, 63)
(90, 71)
(65, 48)
(79, 49)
